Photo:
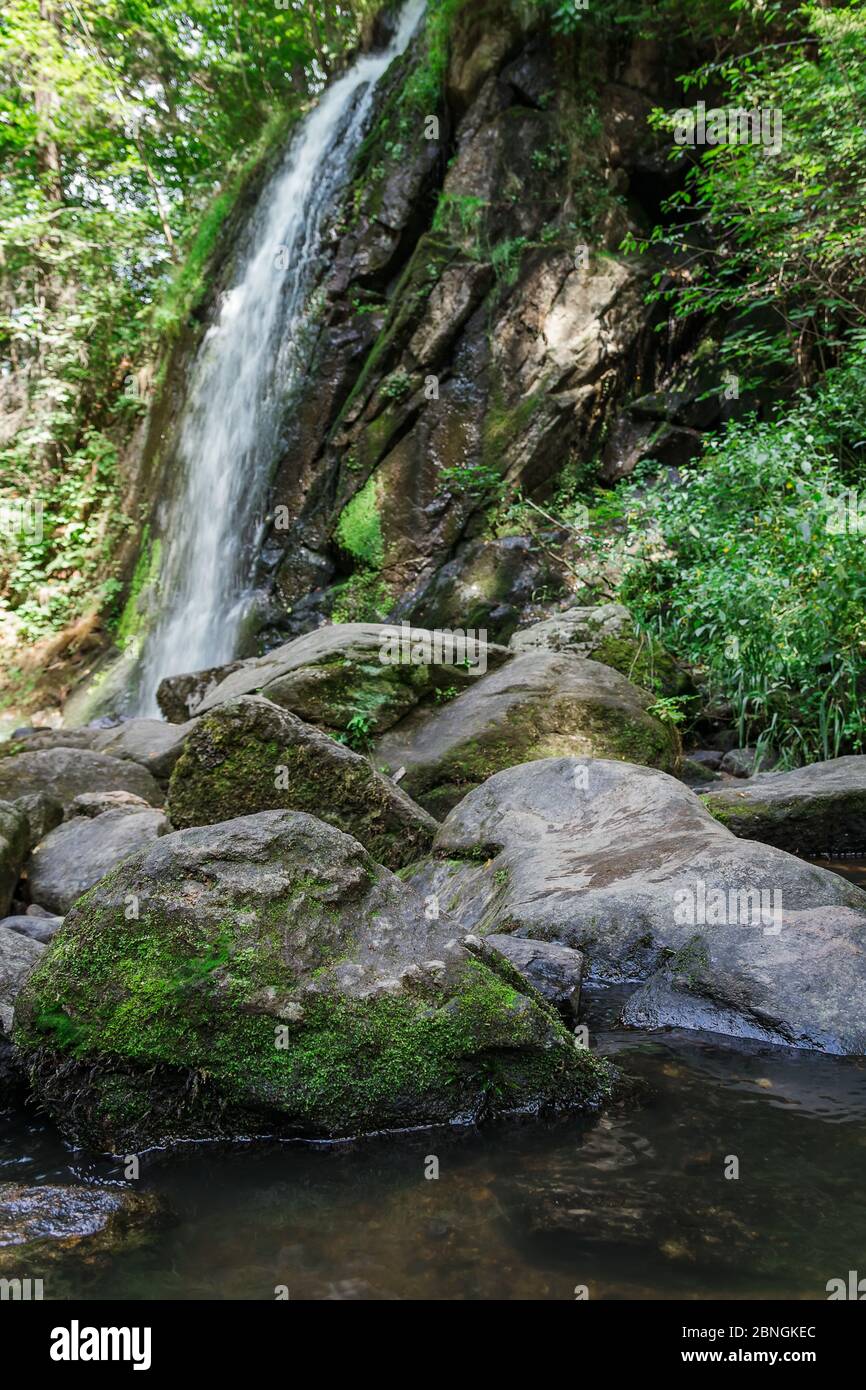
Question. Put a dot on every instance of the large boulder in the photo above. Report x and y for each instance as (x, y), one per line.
(626, 865)
(277, 980)
(14, 844)
(608, 634)
(18, 955)
(249, 755)
(178, 696)
(82, 850)
(47, 1225)
(820, 809)
(346, 670)
(542, 704)
(150, 742)
(66, 772)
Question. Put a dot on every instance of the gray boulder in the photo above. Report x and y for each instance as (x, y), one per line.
(745, 762)
(328, 676)
(542, 704)
(38, 928)
(277, 981)
(814, 810)
(555, 971)
(66, 772)
(249, 755)
(150, 742)
(179, 696)
(14, 844)
(18, 955)
(84, 849)
(94, 803)
(625, 864)
(43, 812)
(606, 633)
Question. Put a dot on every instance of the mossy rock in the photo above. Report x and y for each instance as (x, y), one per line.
(608, 634)
(815, 810)
(540, 705)
(265, 976)
(249, 755)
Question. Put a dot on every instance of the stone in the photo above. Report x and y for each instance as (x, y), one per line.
(541, 704)
(745, 762)
(608, 634)
(277, 982)
(179, 696)
(249, 755)
(626, 865)
(43, 812)
(38, 928)
(150, 742)
(18, 955)
(48, 1224)
(84, 849)
(66, 772)
(815, 810)
(94, 803)
(14, 844)
(556, 971)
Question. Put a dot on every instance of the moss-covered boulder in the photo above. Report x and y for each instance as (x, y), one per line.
(814, 810)
(249, 755)
(265, 976)
(608, 634)
(345, 671)
(542, 704)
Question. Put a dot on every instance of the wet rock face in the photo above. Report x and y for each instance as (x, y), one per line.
(538, 705)
(815, 810)
(625, 864)
(468, 332)
(43, 1226)
(277, 981)
(249, 755)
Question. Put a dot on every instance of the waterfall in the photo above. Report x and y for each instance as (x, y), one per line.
(248, 363)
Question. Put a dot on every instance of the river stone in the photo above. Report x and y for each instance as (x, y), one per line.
(94, 803)
(333, 674)
(43, 812)
(745, 762)
(555, 971)
(608, 634)
(18, 955)
(249, 755)
(277, 980)
(66, 772)
(541, 704)
(38, 928)
(42, 1225)
(14, 844)
(151, 742)
(814, 810)
(82, 850)
(606, 858)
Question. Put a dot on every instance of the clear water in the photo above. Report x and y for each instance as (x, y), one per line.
(248, 365)
(632, 1204)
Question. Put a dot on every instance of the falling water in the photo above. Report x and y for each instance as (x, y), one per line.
(246, 368)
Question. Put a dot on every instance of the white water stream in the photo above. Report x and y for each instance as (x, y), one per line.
(246, 368)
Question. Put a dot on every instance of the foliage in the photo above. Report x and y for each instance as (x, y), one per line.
(753, 569)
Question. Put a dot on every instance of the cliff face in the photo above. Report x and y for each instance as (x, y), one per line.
(478, 326)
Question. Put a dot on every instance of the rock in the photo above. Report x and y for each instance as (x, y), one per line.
(555, 971)
(14, 844)
(249, 755)
(744, 762)
(66, 772)
(150, 742)
(13, 1082)
(94, 803)
(541, 704)
(18, 955)
(707, 757)
(607, 634)
(43, 1225)
(41, 928)
(489, 585)
(626, 865)
(82, 850)
(277, 981)
(814, 810)
(335, 673)
(43, 812)
(179, 696)
(696, 774)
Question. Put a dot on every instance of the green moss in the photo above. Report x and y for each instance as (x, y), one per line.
(359, 529)
(644, 661)
(145, 575)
